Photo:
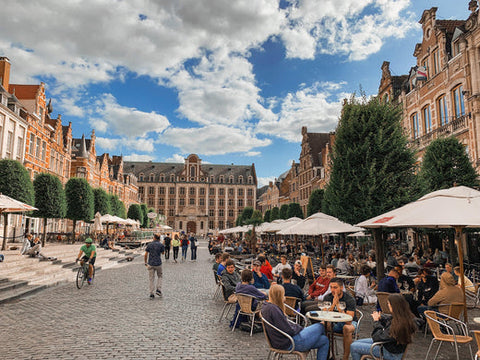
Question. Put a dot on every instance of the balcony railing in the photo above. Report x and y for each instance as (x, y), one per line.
(454, 127)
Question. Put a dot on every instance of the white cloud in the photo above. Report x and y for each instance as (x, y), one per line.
(117, 144)
(176, 158)
(262, 181)
(253, 153)
(138, 157)
(213, 139)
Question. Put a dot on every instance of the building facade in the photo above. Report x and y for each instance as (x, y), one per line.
(441, 95)
(196, 197)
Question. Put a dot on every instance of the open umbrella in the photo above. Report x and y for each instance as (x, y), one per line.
(319, 224)
(10, 205)
(457, 207)
(284, 224)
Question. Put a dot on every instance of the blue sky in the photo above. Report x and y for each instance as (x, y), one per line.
(230, 80)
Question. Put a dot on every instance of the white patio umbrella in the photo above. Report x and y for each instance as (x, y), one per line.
(10, 205)
(319, 224)
(457, 207)
(284, 224)
(165, 227)
(274, 224)
(260, 228)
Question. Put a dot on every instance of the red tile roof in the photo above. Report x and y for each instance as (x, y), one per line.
(24, 91)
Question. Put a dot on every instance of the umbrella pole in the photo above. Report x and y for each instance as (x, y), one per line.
(379, 252)
(4, 243)
(459, 242)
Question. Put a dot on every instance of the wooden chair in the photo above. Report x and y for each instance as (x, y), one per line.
(380, 345)
(437, 322)
(278, 352)
(227, 303)
(476, 333)
(245, 301)
(382, 300)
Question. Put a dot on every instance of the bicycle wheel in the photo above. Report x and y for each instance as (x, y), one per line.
(80, 277)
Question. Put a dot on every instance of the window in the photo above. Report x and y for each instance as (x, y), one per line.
(442, 110)
(221, 213)
(37, 150)
(191, 201)
(240, 179)
(151, 177)
(249, 202)
(250, 180)
(10, 144)
(180, 224)
(425, 65)
(221, 192)
(455, 48)
(230, 202)
(171, 190)
(161, 201)
(212, 191)
(240, 202)
(140, 189)
(162, 178)
(202, 191)
(250, 191)
(182, 191)
(230, 213)
(221, 202)
(427, 119)
(192, 171)
(240, 192)
(458, 104)
(230, 179)
(201, 201)
(181, 202)
(191, 191)
(211, 212)
(150, 202)
(161, 190)
(221, 179)
(151, 190)
(140, 177)
(171, 202)
(220, 224)
(172, 178)
(171, 212)
(210, 224)
(212, 179)
(211, 202)
(231, 192)
(436, 62)
(415, 126)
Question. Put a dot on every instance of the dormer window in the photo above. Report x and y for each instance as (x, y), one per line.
(172, 178)
(250, 180)
(140, 177)
(221, 179)
(240, 179)
(151, 177)
(230, 179)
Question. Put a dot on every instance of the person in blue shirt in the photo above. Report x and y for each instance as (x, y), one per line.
(260, 280)
(221, 267)
(388, 284)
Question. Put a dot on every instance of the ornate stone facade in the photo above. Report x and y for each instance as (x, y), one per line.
(196, 197)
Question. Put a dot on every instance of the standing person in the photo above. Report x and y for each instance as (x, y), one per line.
(184, 242)
(153, 262)
(193, 247)
(167, 241)
(175, 246)
(396, 329)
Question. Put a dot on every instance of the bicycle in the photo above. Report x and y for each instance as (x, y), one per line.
(82, 274)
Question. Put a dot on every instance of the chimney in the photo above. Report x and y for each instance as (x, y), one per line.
(4, 72)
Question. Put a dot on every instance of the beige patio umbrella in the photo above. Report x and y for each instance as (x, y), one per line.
(319, 224)
(10, 205)
(284, 224)
(457, 207)
(273, 225)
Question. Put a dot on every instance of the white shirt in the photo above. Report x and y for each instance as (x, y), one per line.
(277, 270)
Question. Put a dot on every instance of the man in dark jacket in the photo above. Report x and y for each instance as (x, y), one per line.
(230, 279)
(388, 284)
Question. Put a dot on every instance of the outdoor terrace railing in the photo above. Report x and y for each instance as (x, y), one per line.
(454, 127)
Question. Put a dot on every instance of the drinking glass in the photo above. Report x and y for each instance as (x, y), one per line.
(327, 305)
(321, 305)
(341, 305)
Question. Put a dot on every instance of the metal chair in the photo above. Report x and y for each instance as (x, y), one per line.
(227, 303)
(383, 301)
(380, 345)
(292, 313)
(218, 290)
(291, 305)
(279, 352)
(245, 301)
(453, 310)
(476, 333)
(437, 322)
(359, 316)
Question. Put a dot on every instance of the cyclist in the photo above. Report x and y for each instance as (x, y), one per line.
(90, 252)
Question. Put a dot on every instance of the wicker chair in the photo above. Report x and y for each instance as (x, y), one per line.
(437, 322)
(245, 301)
(476, 334)
(380, 344)
(227, 303)
(383, 301)
(290, 310)
(278, 352)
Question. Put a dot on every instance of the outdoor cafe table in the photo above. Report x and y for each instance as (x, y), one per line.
(477, 320)
(331, 317)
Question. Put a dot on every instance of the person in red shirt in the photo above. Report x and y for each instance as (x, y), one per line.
(266, 268)
(320, 286)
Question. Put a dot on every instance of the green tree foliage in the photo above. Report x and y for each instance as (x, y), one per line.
(275, 214)
(315, 202)
(445, 164)
(122, 211)
(238, 222)
(256, 218)
(266, 216)
(294, 210)
(49, 199)
(246, 214)
(284, 211)
(101, 201)
(146, 220)
(135, 212)
(80, 201)
(15, 181)
(114, 205)
(372, 166)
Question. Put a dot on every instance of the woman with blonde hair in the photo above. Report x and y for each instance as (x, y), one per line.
(310, 337)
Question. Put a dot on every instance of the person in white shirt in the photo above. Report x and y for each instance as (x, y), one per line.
(277, 270)
(363, 287)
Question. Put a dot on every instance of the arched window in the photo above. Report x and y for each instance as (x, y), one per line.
(172, 178)
(162, 178)
(427, 119)
(151, 177)
(458, 103)
(250, 179)
(140, 177)
(442, 110)
(415, 125)
(240, 179)
(230, 179)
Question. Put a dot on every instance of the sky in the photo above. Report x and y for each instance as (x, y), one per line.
(232, 81)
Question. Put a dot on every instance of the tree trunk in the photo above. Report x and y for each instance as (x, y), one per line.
(254, 240)
(44, 240)
(74, 228)
(379, 253)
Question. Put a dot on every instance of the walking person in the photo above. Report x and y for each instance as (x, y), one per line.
(193, 246)
(175, 246)
(166, 242)
(153, 262)
(184, 247)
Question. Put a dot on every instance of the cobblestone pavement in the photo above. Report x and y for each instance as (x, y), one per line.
(115, 319)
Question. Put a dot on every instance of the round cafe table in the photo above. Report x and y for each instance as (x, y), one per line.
(477, 320)
(331, 317)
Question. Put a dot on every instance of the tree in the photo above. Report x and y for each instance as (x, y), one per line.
(373, 169)
(266, 216)
(274, 214)
(446, 164)
(246, 214)
(294, 210)
(238, 222)
(80, 201)
(101, 202)
(284, 212)
(135, 212)
(49, 199)
(254, 220)
(315, 202)
(146, 220)
(14, 182)
(122, 211)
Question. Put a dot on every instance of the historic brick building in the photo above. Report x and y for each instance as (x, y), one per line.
(441, 94)
(312, 172)
(196, 197)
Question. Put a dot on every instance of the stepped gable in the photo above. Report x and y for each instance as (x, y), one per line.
(317, 142)
(24, 91)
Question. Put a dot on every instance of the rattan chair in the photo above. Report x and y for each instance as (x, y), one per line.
(476, 334)
(227, 303)
(453, 310)
(383, 301)
(290, 311)
(437, 322)
(295, 314)
(380, 344)
(278, 352)
(245, 301)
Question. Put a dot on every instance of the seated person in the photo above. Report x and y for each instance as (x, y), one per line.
(395, 330)
(310, 305)
(427, 286)
(336, 296)
(407, 287)
(221, 266)
(468, 283)
(266, 268)
(291, 289)
(297, 274)
(230, 279)
(449, 268)
(310, 337)
(260, 280)
(320, 286)
(218, 259)
(364, 288)
(33, 247)
(448, 293)
(277, 270)
(388, 284)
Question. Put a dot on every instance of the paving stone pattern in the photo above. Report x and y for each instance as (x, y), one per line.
(115, 319)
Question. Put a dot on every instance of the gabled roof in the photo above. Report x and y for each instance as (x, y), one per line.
(24, 91)
(449, 25)
(317, 142)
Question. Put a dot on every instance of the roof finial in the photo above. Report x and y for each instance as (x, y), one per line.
(473, 5)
